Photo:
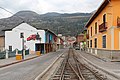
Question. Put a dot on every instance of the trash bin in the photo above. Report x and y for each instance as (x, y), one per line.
(18, 56)
(38, 53)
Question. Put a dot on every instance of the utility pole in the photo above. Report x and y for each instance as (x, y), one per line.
(22, 36)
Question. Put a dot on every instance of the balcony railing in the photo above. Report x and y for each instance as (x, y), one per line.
(87, 36)
(118, 22)
(103, 27)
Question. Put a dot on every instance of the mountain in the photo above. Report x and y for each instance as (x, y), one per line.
(93, 11)
(66, 24)
(51, 14)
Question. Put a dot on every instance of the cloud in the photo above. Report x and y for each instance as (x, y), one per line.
(44, 6)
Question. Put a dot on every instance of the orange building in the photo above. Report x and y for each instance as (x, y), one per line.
(103, 29)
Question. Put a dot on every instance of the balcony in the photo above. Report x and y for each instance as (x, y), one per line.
(87, 36)
(118, 22)
(103, 27)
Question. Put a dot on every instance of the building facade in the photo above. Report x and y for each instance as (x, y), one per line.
(103, 32)
(14, 41)
(80, 38)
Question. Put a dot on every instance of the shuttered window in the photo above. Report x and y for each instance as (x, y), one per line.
(96, 28)
(88, 44)
(91, 43)
(104, 41)
(91, 31)
(95, 43)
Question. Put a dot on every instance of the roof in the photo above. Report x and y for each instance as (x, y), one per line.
(10, 28)
(50, 32)
(103, 5)
(84, 30)
(2, 33)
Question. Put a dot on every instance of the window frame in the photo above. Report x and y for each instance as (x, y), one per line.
(104, 41)
(95, 42)
(90, 43)
(96, 27)
(91, 31)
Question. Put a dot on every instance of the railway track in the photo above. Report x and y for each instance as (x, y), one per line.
(72, 69)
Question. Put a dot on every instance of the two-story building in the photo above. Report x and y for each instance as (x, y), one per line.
(103, 30)
(13, 39)
(50, 42)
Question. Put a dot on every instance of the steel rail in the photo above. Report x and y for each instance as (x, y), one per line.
(98, 76)
(92, 71)
(62, 73)
(78, 67)
(74, 70)
(63, 69)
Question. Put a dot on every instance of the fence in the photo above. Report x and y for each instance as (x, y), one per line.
(2, 55)
(12, 53)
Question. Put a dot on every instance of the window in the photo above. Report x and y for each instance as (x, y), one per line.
(104, 41)
(91, 43)
(95, 42)
(96, 28)
(88, 32)
(88, 44)
(10, 48)
(22, 35)
(104, 18)
(91, 31)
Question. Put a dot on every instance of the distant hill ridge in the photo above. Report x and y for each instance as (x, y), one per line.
(66, 23)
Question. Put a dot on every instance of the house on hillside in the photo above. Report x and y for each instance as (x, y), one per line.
(103, 30)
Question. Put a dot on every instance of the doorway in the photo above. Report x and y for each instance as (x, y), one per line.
(39, 47)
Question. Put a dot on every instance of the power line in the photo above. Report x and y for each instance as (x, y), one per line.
(11, 13)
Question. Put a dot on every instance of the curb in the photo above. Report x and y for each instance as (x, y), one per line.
(48, 68)
(97, 57)
(18, 62)
(100, 68)
(115, 60)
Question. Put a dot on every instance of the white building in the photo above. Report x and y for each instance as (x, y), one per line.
(13, 40)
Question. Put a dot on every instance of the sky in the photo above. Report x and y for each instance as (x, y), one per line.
(44, 6)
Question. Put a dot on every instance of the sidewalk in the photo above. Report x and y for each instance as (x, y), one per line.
(10, 61)
(107, 66)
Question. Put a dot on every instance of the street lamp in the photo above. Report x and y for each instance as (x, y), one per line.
(38, 37)
(22, 37)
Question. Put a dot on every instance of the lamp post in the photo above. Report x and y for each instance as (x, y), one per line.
(22, 37)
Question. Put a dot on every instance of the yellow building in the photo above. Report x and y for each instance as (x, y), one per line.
(103, 29)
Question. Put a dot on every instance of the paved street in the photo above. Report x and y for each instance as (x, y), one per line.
(28, 70)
